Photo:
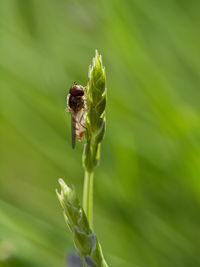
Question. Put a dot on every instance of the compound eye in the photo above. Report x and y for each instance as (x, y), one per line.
(76, 91)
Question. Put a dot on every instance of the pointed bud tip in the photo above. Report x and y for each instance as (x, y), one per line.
(100, 58)
(65, 189)
(96, 52)
(61, 182)
(57, 193)
(97, 62)
(60, 198)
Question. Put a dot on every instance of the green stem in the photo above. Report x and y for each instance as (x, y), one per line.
(88, 197)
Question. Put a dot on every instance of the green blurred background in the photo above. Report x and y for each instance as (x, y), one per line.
(147, 187)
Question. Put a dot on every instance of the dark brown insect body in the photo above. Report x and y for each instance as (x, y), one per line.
(76, 104)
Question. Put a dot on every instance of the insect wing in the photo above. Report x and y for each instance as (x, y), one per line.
(80, 124)
(73, 128)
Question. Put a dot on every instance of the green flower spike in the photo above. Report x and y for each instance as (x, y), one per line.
(85, 240)
(95, 119)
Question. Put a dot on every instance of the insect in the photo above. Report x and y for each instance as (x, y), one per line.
(76, 104)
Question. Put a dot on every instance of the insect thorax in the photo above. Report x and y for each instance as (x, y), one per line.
(76, 103)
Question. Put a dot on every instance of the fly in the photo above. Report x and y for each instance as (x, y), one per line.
(76, 104)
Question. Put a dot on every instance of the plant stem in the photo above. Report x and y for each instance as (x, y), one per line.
(88, 197)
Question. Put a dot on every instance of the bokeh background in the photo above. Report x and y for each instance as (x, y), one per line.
(147, 187)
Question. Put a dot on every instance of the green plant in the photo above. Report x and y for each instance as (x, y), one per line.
(78, 218)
